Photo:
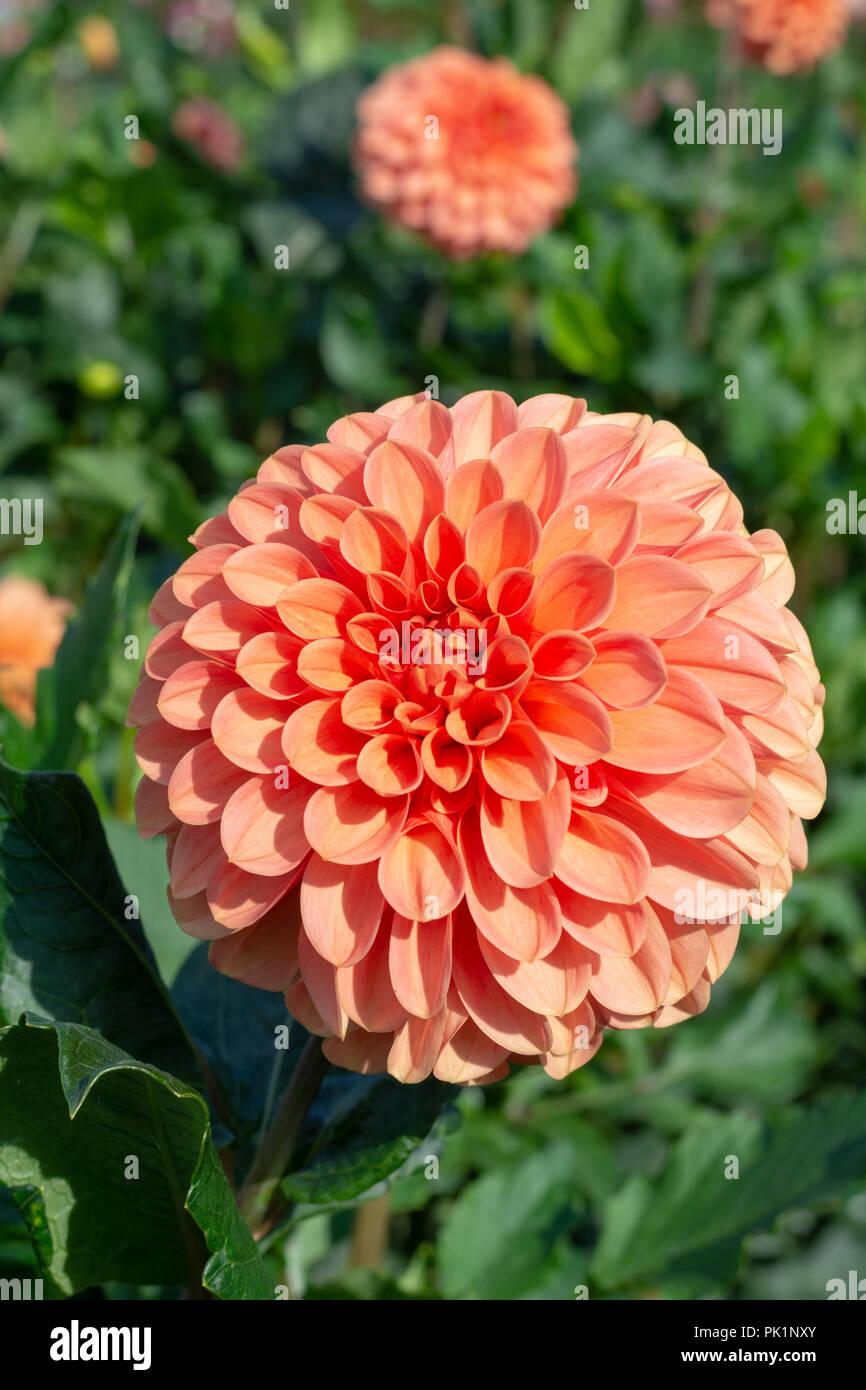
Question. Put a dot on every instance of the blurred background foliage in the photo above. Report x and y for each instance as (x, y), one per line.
(154, 258)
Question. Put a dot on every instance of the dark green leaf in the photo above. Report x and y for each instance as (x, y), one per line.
(810, 1155)
(367, 1126)
(498, 1239)
(68, 950)
(78, 676)
(76, 1112)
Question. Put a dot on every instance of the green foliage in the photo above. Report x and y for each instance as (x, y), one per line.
(68, 1161)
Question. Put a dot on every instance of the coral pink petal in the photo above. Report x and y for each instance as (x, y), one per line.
(247, 727)
(522, 839)
(202, 782)
(262, 826)
(658, 596)
(419, 961)
(635, 984)
(685, 726)
(420, 873)
(532, 466)
(602, 858)
(318, 745)
(341, 907)
(352, 825)
(190, 697)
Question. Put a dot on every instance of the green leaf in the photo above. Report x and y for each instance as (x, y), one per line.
(366, 1128)
(78, 676)
(499, 1237)
(143, 869)
(576, 331)
(808, 1156)
(588, 38)
(76, 1111)
(235, 1027)
(67, 949)
(764, 1051)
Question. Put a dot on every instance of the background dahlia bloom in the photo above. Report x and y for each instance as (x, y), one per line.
(31, 626)
(784, 35)
(467, 151)
(446, 866)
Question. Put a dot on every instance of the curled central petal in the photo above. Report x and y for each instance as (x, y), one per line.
(476, 730)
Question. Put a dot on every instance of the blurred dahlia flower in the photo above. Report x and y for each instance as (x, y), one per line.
(31, 627)
(476, 731)
(785, 35)
(211, 132)
(202, 26)
(467, 151)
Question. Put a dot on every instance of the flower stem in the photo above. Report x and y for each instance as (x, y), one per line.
(258, 1194)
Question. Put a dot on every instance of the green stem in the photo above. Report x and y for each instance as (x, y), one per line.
(259, 1199)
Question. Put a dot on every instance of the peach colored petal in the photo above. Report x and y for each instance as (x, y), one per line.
(390, 765)
(628, 671)
(264, 955)
(598, 523)
(405, 481)
(366, 991)
(317, 608)
(159, 747)
(554, 985)
(152, 811)
(262, 826)
(520, 764)
(352, 825)
(608, 929)
(531, 463)
(473, 487)
(575, 592)
(419, 962)
(319, 746)
(685, 726)
(261, 573)
(415, 1049)
(420, 873)
(635, 984)
(201, 784)
(191, 696)
(269, 663)
(496, 1013)
(709, 799)
(504, 535)
(525, 923)
(469, 1056)
(574, 725)
(247, 728)
(603, 859)
(522, 839)
(658, 596)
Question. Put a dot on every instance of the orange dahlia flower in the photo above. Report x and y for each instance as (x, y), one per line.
(470, 153)
(785, 35)
(476, 730)
(31, 626)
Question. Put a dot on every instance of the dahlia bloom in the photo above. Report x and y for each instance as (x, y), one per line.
(469, 152)
(202, 26)
(210, 130)
(785, 35)
(477, 730)
(31, 626)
